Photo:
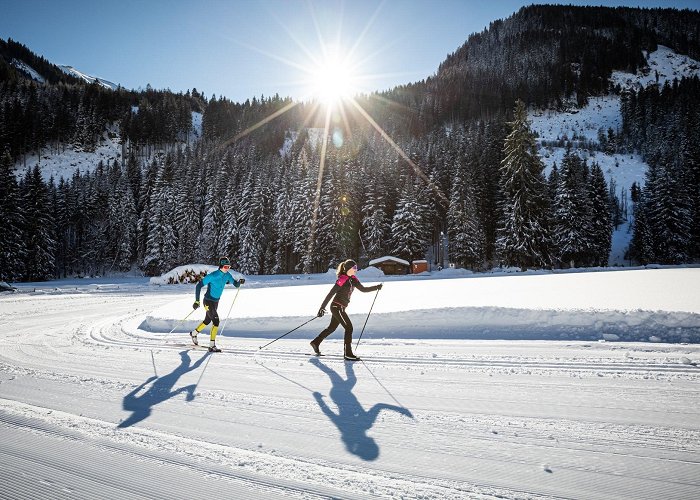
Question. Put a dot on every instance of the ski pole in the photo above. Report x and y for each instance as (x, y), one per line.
(290, 331)
(366, 319)
(229, 310)
(183, 319)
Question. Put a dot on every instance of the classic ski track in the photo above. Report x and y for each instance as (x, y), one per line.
(113, 332)
(104, 333)
(208, 463)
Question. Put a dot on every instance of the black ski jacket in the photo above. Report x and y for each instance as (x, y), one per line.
(343, 289)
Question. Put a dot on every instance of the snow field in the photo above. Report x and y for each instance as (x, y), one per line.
(434, 416)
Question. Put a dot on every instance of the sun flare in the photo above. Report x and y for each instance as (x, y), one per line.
(333, 81)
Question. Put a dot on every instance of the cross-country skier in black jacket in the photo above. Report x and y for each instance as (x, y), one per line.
(340, 293)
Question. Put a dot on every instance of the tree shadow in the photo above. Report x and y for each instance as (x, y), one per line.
(160, 390)
(352, 420)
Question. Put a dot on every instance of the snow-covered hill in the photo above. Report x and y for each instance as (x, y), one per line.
(603, 113)
(664, 65)
(25, 68)
(97, 403)
(70, 70)
(68, 159)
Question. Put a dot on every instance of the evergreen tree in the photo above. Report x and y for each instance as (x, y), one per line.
(601, 220)
(121, 233)
(253, 230)
(409, 240)
(161, 244)
(375, 223)
(669, 218)
(13, 248)
(466, 235)
(39, 258)
(523, 236)
(571, 217)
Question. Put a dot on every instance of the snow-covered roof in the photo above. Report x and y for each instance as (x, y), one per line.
(420, 261)
(388, 259)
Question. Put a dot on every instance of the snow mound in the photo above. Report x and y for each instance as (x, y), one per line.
(450, 272)
(370, 273)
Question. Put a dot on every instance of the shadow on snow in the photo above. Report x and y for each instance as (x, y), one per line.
(160, 390)
(352, 420)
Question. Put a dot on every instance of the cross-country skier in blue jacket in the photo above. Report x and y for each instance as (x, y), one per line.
(215, 283)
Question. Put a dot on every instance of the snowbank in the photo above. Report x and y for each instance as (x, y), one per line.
(631, 306)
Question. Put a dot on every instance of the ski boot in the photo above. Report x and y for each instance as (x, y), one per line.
(193, 336)
(314, 346)
(349, 356)
(213, 348)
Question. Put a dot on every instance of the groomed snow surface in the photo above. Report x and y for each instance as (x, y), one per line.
(460, 394)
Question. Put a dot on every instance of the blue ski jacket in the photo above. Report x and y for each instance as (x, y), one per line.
(215, 282)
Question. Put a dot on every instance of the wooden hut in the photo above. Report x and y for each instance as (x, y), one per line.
(391, 265)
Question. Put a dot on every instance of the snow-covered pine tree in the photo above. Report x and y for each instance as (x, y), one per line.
(327, 238)
(408, 237)
(463, 226)
(571, 220)
(187, 211)
(281, 230)
(600, 217)
(669, 217)
(120, 232)
(523, 237)
(303, 207)
(145, 204)
(39, 259)
(211, 225)
(375, 222)
(13, 249)
(253, 228)
(161, 244)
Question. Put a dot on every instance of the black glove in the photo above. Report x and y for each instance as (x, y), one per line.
(241, 281)
(321, 312)
(195, 305)
(379, 286)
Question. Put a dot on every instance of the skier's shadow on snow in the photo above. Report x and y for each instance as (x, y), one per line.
(352, 420)
(161, 390)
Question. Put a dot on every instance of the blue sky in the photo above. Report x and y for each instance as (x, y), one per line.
(242, 49)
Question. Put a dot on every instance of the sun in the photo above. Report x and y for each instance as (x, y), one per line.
(333, 81)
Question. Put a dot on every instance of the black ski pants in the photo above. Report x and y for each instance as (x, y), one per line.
(338, 317)
(212, 315)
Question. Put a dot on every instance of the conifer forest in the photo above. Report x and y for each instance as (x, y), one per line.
(268, 184)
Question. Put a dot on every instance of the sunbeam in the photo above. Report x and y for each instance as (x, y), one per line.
(401, 153)
(317, 196)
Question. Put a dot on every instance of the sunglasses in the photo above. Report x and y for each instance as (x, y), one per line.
(354, 267)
